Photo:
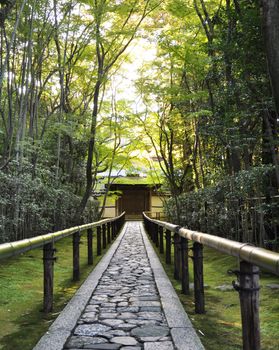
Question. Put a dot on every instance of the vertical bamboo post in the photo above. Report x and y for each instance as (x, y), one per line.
(168, 247)
(89, 246)
(113, 230)
(161, 240)
(156, 230)
(198, 278)
(48, 259)
(249, 303)
(120, 223)
(104, 236)
(76, 241)
(99, 241)
(177, 255)
(152, 231)
(149, 228)
(108, 232)
(124, 218)
(117, 226)
(184, 266)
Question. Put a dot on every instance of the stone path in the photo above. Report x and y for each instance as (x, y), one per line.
(124, 311)
(127, 302)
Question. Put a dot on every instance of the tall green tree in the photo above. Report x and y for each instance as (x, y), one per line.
(115, 27)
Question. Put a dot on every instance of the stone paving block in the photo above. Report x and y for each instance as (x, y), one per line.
(128, 309)
(107, 309)
(90, 316)
(148, 339)
(145, 322)
(115, 333)
(81, 342)
(91, 308)
(91, 330)
(112, 323)
(150, 331)
(106, 315)
(124, 340)
(145, 303)
(149, 298)
(186, 339)
(123, 304)
(166, 345)
(105, 347)
(127, 316)
(150, 309)
(126, 326)
(150, 316)
(110, 305)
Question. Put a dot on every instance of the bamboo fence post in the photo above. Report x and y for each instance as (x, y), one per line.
(89, 246)
(161, 240)
(198, 278)
(153, 234)
(113, 230)
(76, 241)
(249, 302)
(48, 259)
(168, 247)
(99, 240)
(108, 232)
(184, 266)
(156, 230)
(104, 236)
(177, 255)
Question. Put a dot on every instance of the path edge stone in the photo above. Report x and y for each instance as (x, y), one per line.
(183, 333)
(60, 330)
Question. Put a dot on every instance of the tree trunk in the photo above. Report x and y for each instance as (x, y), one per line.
(271, 33)
(91, 145)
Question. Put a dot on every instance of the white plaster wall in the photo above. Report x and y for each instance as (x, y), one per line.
(109, 213)
(156, 204)
(110, 208)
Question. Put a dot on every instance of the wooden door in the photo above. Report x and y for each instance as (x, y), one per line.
(134, 202)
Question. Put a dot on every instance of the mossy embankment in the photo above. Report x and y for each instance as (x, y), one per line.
(220, 326)
(22, 322)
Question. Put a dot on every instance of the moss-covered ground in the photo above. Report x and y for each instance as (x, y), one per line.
(22, 321)
(220, 326)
